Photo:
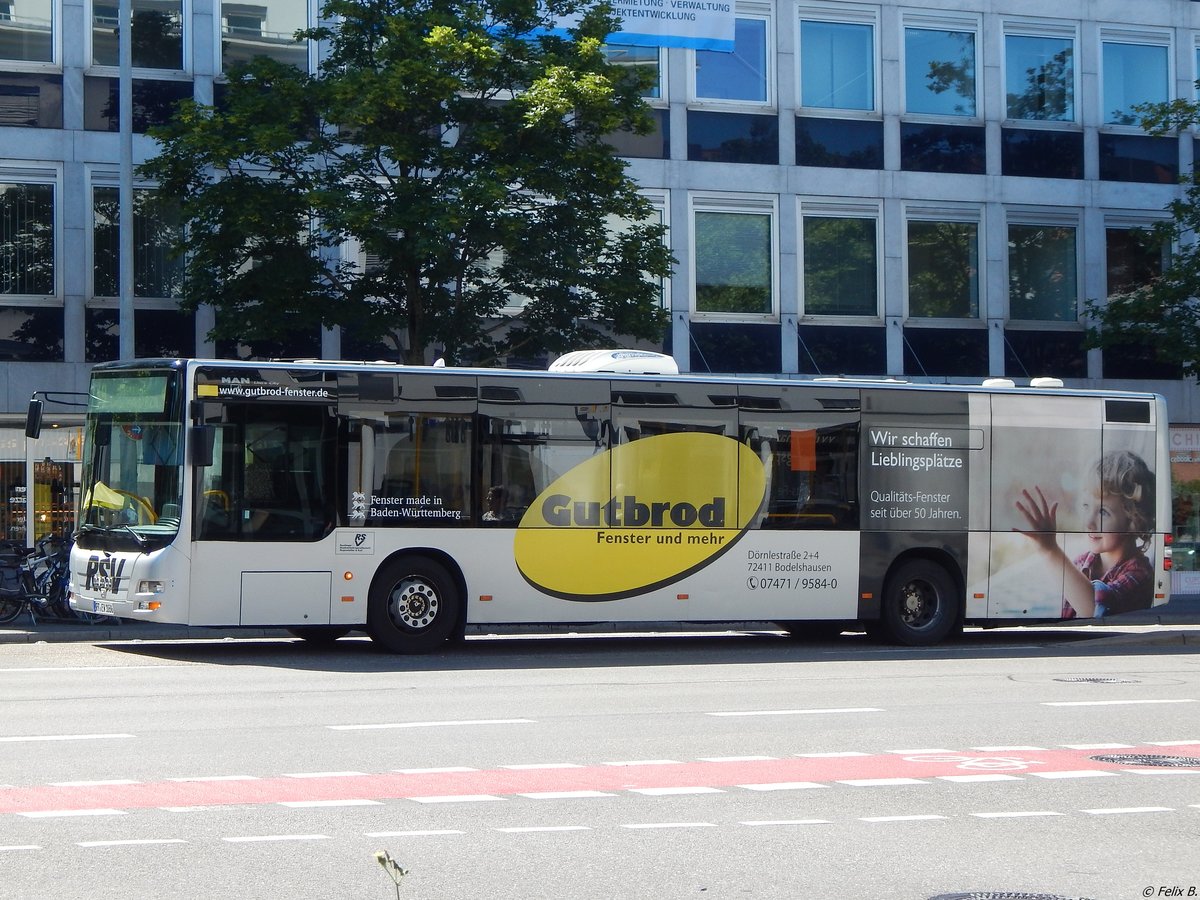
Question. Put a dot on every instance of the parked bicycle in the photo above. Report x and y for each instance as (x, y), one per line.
(36, 579)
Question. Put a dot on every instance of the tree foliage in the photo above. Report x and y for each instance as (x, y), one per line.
(1156, 309)
(454, 142)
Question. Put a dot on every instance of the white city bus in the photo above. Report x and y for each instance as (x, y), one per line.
(417, 503)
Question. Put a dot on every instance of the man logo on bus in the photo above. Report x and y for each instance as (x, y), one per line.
(640, 516)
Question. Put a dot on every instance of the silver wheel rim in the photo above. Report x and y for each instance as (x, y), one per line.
(918, 603)
(413, 603)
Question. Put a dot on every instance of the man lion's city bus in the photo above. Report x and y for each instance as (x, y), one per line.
(420, 503)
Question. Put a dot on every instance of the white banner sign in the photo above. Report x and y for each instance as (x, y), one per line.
(695, 24)
(698, 24)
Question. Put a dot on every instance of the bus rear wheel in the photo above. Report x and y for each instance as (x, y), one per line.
(920, 604)
(413, 606)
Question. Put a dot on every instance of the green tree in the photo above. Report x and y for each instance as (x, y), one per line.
(1152, 306)
(459, 146)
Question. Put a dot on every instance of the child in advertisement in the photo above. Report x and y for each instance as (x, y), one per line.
(1113, 575)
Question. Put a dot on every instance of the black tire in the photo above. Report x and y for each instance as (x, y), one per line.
(414, 605)
(319, 635)
(921, 604)
(10, 608)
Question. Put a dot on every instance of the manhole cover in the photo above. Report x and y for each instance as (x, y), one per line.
(1097, 679)
(1150, 759)
(1003, 895)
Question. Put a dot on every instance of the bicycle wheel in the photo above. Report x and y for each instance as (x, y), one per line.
(10, 608)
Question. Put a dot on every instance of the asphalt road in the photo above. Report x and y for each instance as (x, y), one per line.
(1026, 764)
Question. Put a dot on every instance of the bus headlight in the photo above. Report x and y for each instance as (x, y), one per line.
(150, 587)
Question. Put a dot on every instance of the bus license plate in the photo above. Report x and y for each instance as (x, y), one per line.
(103, 607)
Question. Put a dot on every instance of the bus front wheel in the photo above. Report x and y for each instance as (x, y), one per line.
(414, 605)
(920, 604)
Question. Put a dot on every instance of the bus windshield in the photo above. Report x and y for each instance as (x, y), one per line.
(132, 483)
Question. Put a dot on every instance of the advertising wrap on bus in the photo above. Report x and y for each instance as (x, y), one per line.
(640, 516)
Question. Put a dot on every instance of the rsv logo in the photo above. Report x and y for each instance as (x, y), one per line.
(104, 575)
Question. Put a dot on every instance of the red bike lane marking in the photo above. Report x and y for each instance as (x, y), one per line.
(395, 786)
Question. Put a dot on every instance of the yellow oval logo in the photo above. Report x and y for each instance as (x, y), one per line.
(640, 516)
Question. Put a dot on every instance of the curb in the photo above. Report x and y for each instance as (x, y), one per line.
(59, 634)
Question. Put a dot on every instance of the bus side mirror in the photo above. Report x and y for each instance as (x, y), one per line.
(33, 419)
(201, 439)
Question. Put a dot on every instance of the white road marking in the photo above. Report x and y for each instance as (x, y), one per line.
(783, 786)
(262, 838)
(918, 752)
(920, 818)
(431, 833)
(735, 759)
(564, 795)
(1077, 773)
(456, 798)
(130, 843)
(19, 847)
(1014, 749)
(968, 779)
(302, 804)
(1173, 743)
(1015, 815)
(188, 778)
(536, 828)
(834, 755)
(523, 767)
(436, 770)
(768, 822)
(796, 712)
(114, 781)
(644, 762)
(672, 791)
(671, 825)
(442, 724)
(880, 782)
(65, 813)
(324, 774)
(1161, 771)
(1115, 702)
(1129, 809)
(1099, 746)
(29, 738)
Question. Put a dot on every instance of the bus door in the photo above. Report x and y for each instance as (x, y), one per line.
(269, 493)
(1045, 451)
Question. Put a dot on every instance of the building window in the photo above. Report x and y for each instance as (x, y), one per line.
(27, 31)
(723, 136)
(939, 72)
(1039, 78)
(1134, 257)
(841, 265)
(837, 64)
(943, 269)
(1043, 282)
(266, 28)
(741, 76)
(1133, 74)
(156, 34)
(26, 239)
(733, 257)
(643, 60)
(156, 273)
